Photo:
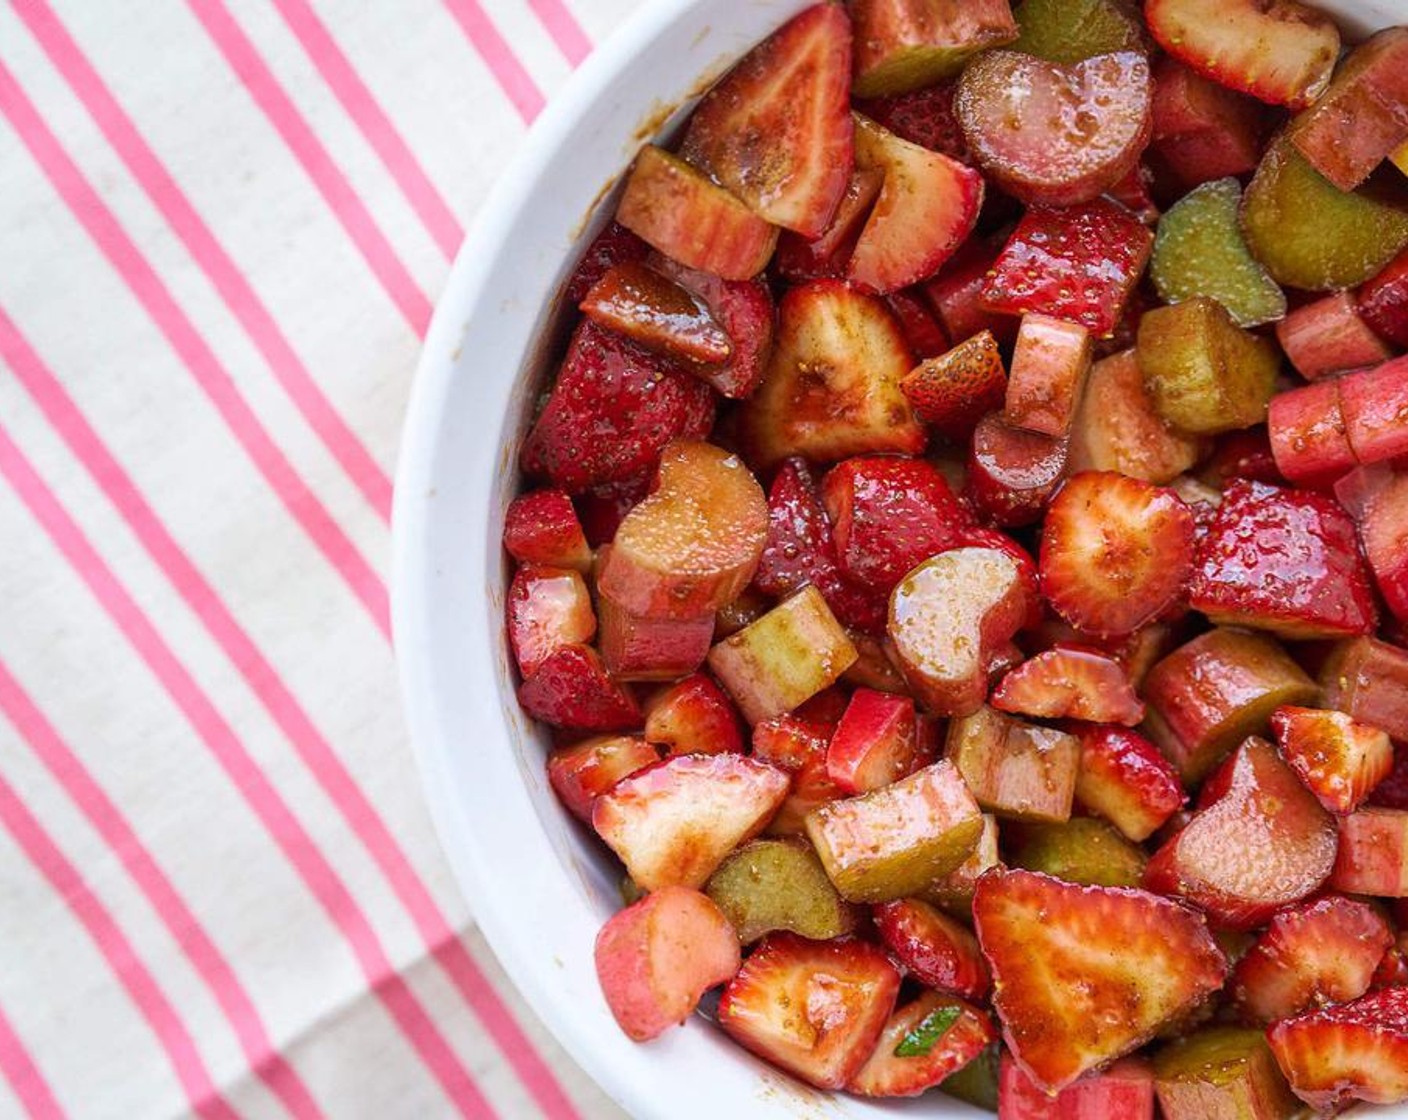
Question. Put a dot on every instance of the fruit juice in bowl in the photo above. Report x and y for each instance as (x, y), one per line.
(960, 551)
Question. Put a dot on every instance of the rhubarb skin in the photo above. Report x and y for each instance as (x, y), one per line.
(1368, 680)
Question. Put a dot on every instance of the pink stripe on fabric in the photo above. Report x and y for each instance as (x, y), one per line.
(493, 48)
(33, 1092)
(337, 192)
(374, 125)
(136, 271)
(119, 953)
(68, 771)
(562, 25)
(217, 264)
(309, 743)
(251, 781)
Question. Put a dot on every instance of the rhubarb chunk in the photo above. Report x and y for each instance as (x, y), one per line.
(953, 391)
(948, 617)
(1125, 779)
(1047, 380)
(1329, 336)
(679, 212)
(1012, 473)
(905, 45)
(1282, 560)
(656, 958)
(1222, 1073)
(656, 313)
(1054, 135)
(1381, 510)
(1203, 131)
(1211, 693)
(814, 1008)
(832, 386)
(1262, 844)
(1373, 853)
(769, 885)
(694, 543)
(954, 891)
(1205, 374)
(1374, 404)
(1080, 850)
(1086, 975)
(639, 648)
(673, 823)
(1308, 440)
(1014, 768)
(776, 131)
(923, 1043)
(1383, 301)
(894, 842)
(1310, 234)
(1125, 1091)
(1199, 251)
(1068, 31)
(790, 654)
(1117, 427)
(744, 310)
(1340, 761)
(1368, 680)
(1357, 1051)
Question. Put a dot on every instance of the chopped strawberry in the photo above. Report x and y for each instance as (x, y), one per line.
(673, 823)
(1383, 301)
(1070, 682)
(1372, 857)
(743, 308)
(1012, 473)
(927, 207)
(1051, 134)
(923, 1043)
(657, 313)
(612, 246)
(1125, 1091)
(1243, 454)
(581, 773)
(933, 948)
(570, 689)
(1015, 769)
(797, 745)
(1322, 952)
(1115, 552)
(601, 509)
(656, 958)
(801, 549)
(875, 743)
(1279, 51)
(688, 218)
(1079, 264)
(814, 1008)
(693, 716)
(1339, 760)
(1357, 1051)
(956, 294)
(1262, 843)
(924, 117)
(1085, 975)
(1117, 427)
(541, 527)
(548, 608)
(1132, 192)
(953, 391)
(826, 256)
(776, 131)
(1125, 779)
(612, 410)
(890, 514)
(1282, 560)
(921, 327)
(832, 387)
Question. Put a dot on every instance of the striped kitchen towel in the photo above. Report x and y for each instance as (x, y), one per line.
(223, 226)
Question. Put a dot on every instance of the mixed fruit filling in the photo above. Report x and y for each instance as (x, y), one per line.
(963, 559)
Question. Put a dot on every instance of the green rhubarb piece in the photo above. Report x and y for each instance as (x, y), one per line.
(1081, 850)
(779, 884)
(976, 1082)
(1310, 234)
(1070, 31)
(1204, 373)
(1227, 1073)
(1199, 251)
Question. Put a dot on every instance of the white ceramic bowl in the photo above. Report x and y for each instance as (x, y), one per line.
(537, 887)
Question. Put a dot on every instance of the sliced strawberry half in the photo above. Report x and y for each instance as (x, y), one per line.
(933, 948)
(813, 1008)
(1079, 263)
(1279, 51)
(924, 1042)
(1070, 683)
(1340, 760)
(776, 131)
(541, 527)
(1085, 975)
(581, 773)
(1115, 552)
(890, 514)
(927, 207)
(674, 822)
(924, 117)
(570, 689)
(548, 608)
(693, 716)
(1358, 1051)
(1260, 842)
(797, 745)
(1319, 953)
(1125, 779)
(612, 410)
